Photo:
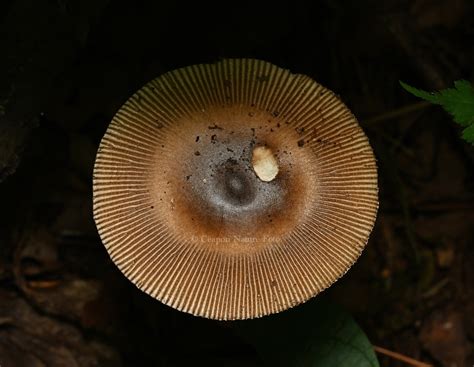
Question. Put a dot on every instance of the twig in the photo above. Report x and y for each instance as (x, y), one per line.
(439, 206)
(402, 29)
(401, 111)
(436, 288)
(395, 177)
(401, 357)
(6, 321)
(396, 143)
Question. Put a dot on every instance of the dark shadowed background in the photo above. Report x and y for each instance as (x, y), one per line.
(67, 66)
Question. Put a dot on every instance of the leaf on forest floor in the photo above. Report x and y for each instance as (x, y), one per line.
(316, 334)
(458, 101)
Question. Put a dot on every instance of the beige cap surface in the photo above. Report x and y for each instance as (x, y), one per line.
(181, 208)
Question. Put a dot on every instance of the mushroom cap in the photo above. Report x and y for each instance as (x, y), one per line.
(183, 214)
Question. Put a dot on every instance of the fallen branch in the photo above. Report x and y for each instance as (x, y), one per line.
(400, 357)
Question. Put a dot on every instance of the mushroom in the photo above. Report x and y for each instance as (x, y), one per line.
(234, 190)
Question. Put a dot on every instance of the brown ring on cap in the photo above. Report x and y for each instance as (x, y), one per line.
(186, 218)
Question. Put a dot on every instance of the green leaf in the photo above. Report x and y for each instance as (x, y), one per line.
(458, 101)
(316, 334)
(427, 96)
(468, 134)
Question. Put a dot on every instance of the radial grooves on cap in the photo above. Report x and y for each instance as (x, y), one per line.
(221, 285)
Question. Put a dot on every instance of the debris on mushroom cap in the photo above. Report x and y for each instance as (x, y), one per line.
(264, 163)
(182, 199)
